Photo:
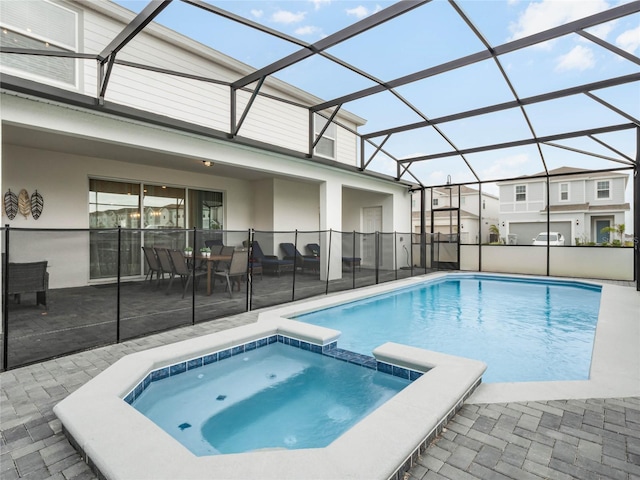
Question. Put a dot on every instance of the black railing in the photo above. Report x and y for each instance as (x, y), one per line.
(101, 290)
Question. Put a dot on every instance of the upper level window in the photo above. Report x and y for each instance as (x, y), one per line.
(39, 25)
(435, 202)
(326, 147)
(521, 193)
(602, 189)
(564, 192)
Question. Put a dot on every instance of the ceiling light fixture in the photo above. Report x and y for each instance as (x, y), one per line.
(207, 163)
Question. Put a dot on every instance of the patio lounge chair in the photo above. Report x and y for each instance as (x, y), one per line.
(310, 262)
(236, 271)
(269, 263)
(350, 262)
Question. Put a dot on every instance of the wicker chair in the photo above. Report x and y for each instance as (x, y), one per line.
(29, 277)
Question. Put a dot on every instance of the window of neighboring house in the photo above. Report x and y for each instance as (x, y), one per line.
(602, 189)
(435, 202)
(326, 146)
(564, 192)
(521, 193)
(39, 25)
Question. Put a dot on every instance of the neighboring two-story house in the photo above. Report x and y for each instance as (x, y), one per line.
(474, 211)
(582, 204)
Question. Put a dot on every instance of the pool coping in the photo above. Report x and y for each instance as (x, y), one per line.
(383, 445)
(615, 362)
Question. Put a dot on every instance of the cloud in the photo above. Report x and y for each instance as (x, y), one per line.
(257, 13)
(286, 17)
(506, 167)
(629, 40)
(540, 16)
(318, 4)
(579, 58)
(307, 30)
(358, 12)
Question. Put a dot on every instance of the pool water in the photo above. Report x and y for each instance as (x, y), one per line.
(523, 330)
(276, 396)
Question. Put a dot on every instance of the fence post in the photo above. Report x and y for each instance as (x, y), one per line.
(295, 266)
(326, 290)
(193, 278)
(249, 294)
(395, 254)
(376, 245)
(353, 268)
(118, 286)
(5, 300)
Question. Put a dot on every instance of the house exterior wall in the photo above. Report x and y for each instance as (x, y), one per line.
(288, 197)
(198, 102)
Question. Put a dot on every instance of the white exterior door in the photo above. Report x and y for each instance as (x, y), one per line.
(371, 223)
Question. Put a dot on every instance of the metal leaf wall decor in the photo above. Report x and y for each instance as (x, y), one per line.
(37, 205)
(11, 204)
(24, 203)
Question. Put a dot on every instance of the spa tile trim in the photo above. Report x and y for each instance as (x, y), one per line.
(329, 350)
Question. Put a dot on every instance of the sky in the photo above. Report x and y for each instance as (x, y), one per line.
(431, 35)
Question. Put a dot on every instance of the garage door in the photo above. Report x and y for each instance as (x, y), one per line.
(526, 232)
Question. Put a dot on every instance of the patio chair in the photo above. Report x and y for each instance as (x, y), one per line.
(162, 253)
(216, 249)
(351, 262)
(236, 271)
(310, 262)
(183, 269)
(213, 243)
(269, 263)
(153, 265)
(30, 277)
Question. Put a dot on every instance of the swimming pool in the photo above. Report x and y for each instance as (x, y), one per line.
(276, 396)
(523, 329)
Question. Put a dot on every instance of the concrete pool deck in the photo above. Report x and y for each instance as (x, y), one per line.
(525, 439)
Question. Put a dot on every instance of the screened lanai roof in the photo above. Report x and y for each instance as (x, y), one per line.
(472, 91)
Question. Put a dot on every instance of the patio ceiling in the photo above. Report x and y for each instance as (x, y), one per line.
(511, 107)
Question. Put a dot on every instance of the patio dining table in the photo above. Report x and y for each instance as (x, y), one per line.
(212, 261)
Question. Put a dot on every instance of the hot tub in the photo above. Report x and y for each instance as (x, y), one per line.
(121, 443)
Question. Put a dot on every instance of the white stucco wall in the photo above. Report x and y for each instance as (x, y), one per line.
(580, 262)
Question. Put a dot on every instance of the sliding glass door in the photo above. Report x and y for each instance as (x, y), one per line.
(157, 215)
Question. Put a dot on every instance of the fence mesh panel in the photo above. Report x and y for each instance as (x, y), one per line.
(89, 299)
(69, 318)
